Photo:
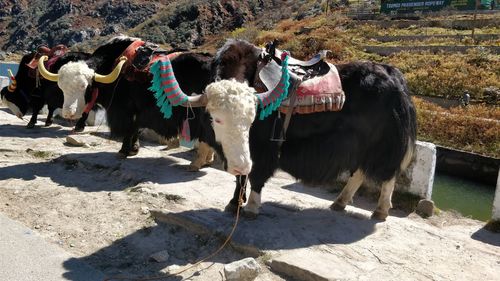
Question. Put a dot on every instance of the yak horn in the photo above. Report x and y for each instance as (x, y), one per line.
(13, 84)
(110, 78)
(44, 72)
(196, 101)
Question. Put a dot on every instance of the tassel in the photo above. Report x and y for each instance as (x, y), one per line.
(186, 132)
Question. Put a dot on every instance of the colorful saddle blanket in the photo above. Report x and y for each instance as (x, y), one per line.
(319, 91)
(54, 54)
(140, 56)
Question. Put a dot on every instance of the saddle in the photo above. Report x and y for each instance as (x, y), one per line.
(140, 56)
(54, 54)
(316, 82)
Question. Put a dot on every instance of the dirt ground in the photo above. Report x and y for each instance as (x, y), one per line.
(91, 210)
(95, 204)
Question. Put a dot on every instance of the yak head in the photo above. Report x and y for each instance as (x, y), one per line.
(232, 106)
(75, 79)
(232, 103)
(16, 96)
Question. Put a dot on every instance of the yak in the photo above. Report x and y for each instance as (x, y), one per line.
(26, 91)
(371, 134)
(125, 94)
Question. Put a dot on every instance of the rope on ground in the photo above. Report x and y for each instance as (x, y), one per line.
(240, 203)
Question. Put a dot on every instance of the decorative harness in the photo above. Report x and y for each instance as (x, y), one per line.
(314, 86)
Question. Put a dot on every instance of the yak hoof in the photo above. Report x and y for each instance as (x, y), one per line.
(248, 214)
(126, 152)
(231, 208)
(337, 207)
(379, 215)
(193, 168)
(78, 129)
(30, 125)
(48, 123)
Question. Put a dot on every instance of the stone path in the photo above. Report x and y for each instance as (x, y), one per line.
(296, 234)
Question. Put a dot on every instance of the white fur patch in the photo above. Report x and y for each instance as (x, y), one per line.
(254, 203)
(74, 79)
(14, 108)
(233, 107)
(408, 156)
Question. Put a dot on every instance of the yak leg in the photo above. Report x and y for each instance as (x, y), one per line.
(264, 165)
(36, 104)
(233, 204)
(130, 144)
(345, 197)
(49, 120)
(384, 201)
(203, 154)
(80, 124)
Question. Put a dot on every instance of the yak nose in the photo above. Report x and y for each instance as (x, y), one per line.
(240, 171)
(68, 115)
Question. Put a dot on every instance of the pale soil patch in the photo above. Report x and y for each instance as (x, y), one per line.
(90, 202)
(96, 206)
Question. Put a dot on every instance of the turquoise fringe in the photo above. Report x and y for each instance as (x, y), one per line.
(266, 110)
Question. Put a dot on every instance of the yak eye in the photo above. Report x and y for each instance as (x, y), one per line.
(218, 121)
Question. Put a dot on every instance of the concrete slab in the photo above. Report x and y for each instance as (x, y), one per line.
(496, 204)
(304, 239)
(25, 256)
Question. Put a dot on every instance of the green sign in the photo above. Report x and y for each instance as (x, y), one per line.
(409, 6)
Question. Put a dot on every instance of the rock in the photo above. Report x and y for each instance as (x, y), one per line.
(144, 210)
(425, 208)
(161, 256)
(242, 270)
(73, 141)
(171, 269)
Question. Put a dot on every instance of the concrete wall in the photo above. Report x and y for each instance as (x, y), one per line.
(418, 179)
(4, 81)
(496, 203)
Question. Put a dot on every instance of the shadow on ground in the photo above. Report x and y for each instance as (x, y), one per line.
(363, 199)
(102, 171)
(193, 235)
(487, 236)
(130, 256)
(278, 227)
(9, 130)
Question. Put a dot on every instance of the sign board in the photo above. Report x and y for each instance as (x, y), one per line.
(410, 6)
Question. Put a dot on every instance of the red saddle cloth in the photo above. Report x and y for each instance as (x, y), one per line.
(318, 94)
(53, 54)
(131, 73)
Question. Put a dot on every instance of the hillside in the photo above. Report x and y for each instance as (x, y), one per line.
(26, 24)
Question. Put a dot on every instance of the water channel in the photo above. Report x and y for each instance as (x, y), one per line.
(471, 199)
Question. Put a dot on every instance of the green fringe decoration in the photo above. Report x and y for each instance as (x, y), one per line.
(268, 109)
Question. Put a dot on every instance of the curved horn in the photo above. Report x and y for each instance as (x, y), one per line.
(196, 101)
(110, 78)
(44, 72)
(167, 91)
(13, 84)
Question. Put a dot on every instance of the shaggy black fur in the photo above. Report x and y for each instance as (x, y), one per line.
(371, 132)
(131, 106)
(27, 95)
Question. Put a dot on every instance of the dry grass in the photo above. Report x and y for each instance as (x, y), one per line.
(475, 128)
